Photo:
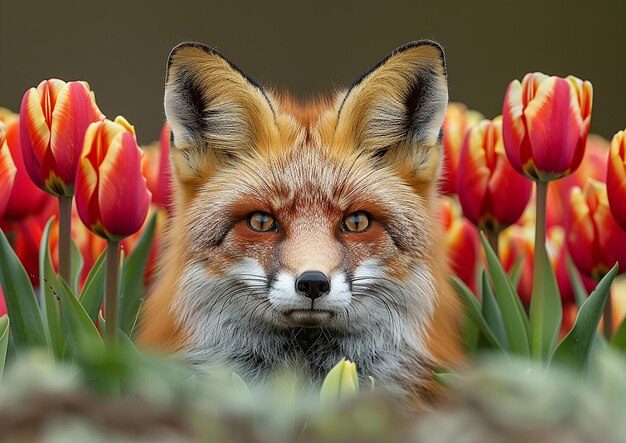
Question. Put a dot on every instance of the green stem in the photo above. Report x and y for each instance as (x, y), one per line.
(493, 239)
(539, 284)
(65, 239)
(111, 291)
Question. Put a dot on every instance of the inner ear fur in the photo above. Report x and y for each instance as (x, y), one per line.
(216, 112)
(394, 112)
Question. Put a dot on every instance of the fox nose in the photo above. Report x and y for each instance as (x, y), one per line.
(313, 284)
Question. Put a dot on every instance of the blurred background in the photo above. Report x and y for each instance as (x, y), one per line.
(121, 47)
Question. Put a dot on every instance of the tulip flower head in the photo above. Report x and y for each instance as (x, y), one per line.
(594, 239)
(492, 195)
(112, 197)
(545, 124)
(53, 120)
(457, 121)
(616, 179)
(7, 170)
(462, 243)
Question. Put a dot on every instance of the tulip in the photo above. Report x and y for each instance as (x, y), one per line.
(492, 195)
(53, 120)
(457, 121)
(112, 197)
(545, 124)
(155, 166)
(25, 198)
(341, 382)
(616, 179)
(595, 240)
(7, 170)
(461, 242)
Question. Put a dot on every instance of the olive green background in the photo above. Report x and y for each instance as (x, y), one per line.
(121, 48)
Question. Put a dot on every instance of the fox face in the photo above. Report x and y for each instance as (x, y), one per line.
(304, 233)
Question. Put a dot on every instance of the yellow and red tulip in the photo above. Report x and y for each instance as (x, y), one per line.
(616, 179)
(53, 120)
(545, 124)
(457, 121)
(25, 198)
(7, 170)
(112, 197)
(462, 242)
(594, 239)
(492, 195)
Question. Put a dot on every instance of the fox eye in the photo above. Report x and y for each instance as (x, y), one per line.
(261, 222)
(357, 222)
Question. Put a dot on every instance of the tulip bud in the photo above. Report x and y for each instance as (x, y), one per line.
(457, 121)
(594, 239)
(53, 120)
(112, 197)
(492, 195)
(545, 124)
(7, 170)
(462, 243)
(342, 381)
(616, 179)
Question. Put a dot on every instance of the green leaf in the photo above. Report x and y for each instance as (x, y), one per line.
(49, 288)
(474, 311)
(132, 282)
(26, 320)
(81, 331)
(580, 292)
(546, 311)
(77, 267)
(515, 273)
(93, 291)
(4, 341)
(448, 379)
(515, 320)
(573, 351)
(491, 312)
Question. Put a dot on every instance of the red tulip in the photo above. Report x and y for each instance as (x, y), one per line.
(594, 239)
(111, 193)
(53, 120)
(25, 198)
(616, 179)
(7, 170)
(155, 166)
(462, 242)
(457, 121)
(545, 124)
(592, 166)
(493, 196)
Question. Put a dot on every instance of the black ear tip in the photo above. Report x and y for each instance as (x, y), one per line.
(190, 44)
(426, 42)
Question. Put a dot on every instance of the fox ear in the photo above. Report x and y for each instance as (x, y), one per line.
(394, 112)
(216, 112)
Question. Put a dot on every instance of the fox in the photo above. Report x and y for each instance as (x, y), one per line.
(304, 232)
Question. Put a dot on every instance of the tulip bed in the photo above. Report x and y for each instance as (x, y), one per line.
(534, 214)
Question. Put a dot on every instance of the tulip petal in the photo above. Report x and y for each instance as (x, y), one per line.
(73, 113)
(7, 175)
(473, 174)
(123, 196)
(554, 127)
(34, 136)
(513, 129)
(86, 184)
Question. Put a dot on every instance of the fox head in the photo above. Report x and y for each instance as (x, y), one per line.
(290, 216)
